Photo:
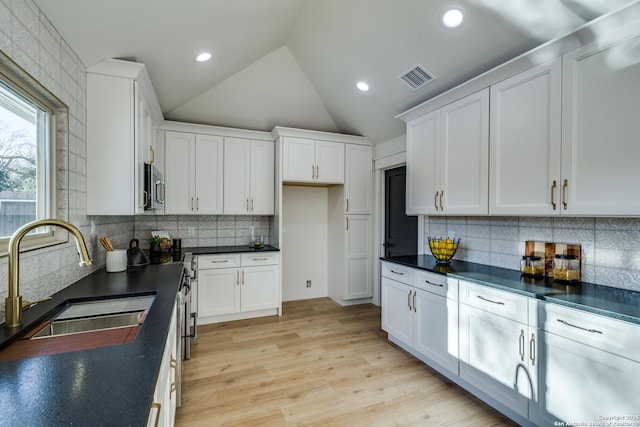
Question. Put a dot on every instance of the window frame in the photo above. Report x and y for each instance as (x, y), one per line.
(57, 186)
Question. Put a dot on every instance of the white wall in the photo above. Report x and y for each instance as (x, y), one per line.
(304, 242)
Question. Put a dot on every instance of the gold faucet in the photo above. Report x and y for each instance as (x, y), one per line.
(13, 302)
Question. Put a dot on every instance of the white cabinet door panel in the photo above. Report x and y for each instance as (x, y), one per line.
(358, 181)
(525, 142)
(179, 177)
(600, 128)
(209, 174)
(218, 291)
(397, 316)
(237, 176)
(262, 177)
(330, 162)
(260, 289)
(358, 240)
(423, 136)
(464, 160)
(298, 159)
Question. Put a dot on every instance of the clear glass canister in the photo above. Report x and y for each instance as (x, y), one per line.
(532, 265)
(566, 268)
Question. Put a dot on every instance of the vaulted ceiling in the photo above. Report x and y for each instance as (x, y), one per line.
(295, 62)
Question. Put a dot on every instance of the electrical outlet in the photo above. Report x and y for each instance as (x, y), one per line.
(308, 283)
(191, 231)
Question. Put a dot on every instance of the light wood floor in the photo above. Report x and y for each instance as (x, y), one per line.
(319, 364)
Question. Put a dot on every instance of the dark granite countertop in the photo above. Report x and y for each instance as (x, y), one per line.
(612, 302)
(210, 250)
(108, 386)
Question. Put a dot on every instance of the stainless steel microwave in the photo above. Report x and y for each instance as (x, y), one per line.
(153, 187)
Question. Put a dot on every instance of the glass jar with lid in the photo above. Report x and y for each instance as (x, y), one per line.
(566, 268)
(532, 265)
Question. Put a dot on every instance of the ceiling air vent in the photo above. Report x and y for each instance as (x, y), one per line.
(416, 77)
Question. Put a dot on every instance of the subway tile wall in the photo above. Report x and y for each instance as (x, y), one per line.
(31, 41)
(208, 230)
(610, 246)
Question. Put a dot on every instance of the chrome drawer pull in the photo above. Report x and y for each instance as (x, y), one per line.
(488, 300)
(434, 284)
(216, 261)
(261, 259)
(593, 331)
(396, 272)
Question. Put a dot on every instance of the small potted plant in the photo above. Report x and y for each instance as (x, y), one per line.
(154, 244)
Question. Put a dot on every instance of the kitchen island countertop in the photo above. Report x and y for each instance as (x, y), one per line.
(108, 386)
(621, 304)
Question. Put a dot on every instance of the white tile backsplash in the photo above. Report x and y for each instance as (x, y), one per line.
(611, 246)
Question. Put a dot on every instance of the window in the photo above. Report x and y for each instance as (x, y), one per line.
(27, 157)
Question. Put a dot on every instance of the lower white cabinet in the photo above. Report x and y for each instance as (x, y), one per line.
(163, 409)
(589, 366)
(238, 285)
(417, 312)
(497, 347)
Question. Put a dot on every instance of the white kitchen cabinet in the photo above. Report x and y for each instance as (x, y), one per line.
(249, 177)
(600, 126)
(495, 345)
(420, 309)
(589, 365)
(234, 286)
(308, 160)
(447, 159)
(193, 173)
(358, 257)
(122, 114)
(163, 408)
(358, 181)
(525, 142)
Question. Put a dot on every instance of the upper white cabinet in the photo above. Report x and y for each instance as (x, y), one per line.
(600, 126)
(447, 159)
(358, 182)
(249, 179)
(122, 118)
(307, 160)
(525, 139)
(193, 173)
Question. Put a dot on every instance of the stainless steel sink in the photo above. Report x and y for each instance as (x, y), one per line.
(87, 324)
(97, 315)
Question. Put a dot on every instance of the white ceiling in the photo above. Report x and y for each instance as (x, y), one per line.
(295, 62)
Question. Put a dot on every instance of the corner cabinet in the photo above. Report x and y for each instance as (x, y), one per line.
(249, 177)
(193, 173)
(122, 118)
(447, 159)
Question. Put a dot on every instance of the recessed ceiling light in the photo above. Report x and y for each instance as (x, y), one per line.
(451, 18)
(362, 86)
(203, 57)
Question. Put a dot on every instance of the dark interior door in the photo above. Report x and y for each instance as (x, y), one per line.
(401, 231)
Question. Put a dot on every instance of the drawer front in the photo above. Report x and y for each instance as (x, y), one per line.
(398, 272)
(206, 262)
(266, 258)
(436, 283)
(611, 335)
(501, 303)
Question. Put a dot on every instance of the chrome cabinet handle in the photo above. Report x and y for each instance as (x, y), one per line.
(593, 331)
(347, 204)
(197, 204)
(565, 184)
(434, 284)
(521, 345)
(553, 195)
(409, 300)
(192, 204)
(435, 200)
(238, 277)
(242, 277)
(488, 300)
(414, 301)
(247, 204)
(347, 223)
(441, 194)
(252, 204)
(532, 350)
(317, 172)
